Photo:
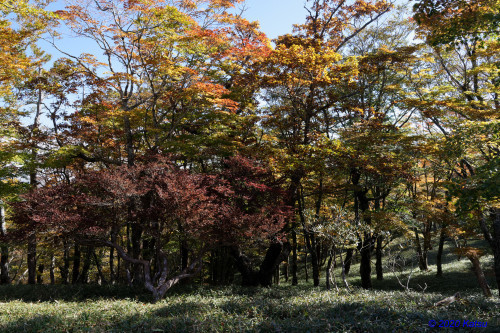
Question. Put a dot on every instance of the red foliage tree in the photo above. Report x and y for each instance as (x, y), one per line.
(241, 202)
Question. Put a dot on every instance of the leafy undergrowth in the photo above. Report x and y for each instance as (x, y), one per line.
(231, 309)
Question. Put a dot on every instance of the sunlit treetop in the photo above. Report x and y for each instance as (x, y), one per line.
(446, 21)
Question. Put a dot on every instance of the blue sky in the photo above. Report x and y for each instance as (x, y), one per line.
(276, 18)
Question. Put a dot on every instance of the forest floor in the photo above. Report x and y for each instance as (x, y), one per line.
(281, 308)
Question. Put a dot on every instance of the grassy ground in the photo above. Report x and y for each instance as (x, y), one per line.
(283, 308)
(278, 309)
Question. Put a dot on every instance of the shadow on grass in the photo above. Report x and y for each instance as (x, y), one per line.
(35, 324)
(450, 282)
(294, 311)
(259, 316)
(51, 293)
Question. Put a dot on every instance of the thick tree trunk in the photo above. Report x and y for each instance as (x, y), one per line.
(32, 259)
(158, 287)
(276, 253)
(221, 266)
(4, 249)
(365, 268)
(378, 255)
(4, 265)
(248, 275)
(480, 276)
(76, 264)
(439, 258)
(366, 244)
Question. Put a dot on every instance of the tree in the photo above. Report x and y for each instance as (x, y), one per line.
(173, 79)
(16, 64)
(164, 201)
(301, 77)
(465, 109)
(448, 21)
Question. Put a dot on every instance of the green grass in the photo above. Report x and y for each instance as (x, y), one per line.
(229, 309)
(283, 308)
(457, 274)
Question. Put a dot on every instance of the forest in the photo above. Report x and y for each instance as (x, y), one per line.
(188, 173)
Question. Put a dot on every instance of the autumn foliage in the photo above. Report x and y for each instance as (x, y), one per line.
(185, 144)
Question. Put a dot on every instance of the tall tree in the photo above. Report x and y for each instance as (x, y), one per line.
(465, 110)
(300, 76)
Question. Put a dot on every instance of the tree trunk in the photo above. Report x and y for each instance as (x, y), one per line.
(305, 267)
(248, 275)
(480, 276)
(494, 240)
(112, 258)
(277, 276)
(378, 255)
(221, 266)
(495, 217)
(4, 249)
(138, 274)
(76, 264)
(366, 244)
(39, 275)
(365, 268)
(439, 258)
(97, 260)
(276, 253)
(285, 268)
(427, 244)
(64, 269)
(33, 184)
(4, 265)
(51, 268)
(84, 276)
(328, 272)
(344, 279)
(422, 260)
(295, 280)
(348, 261)
(310, 241)
(32, 259)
